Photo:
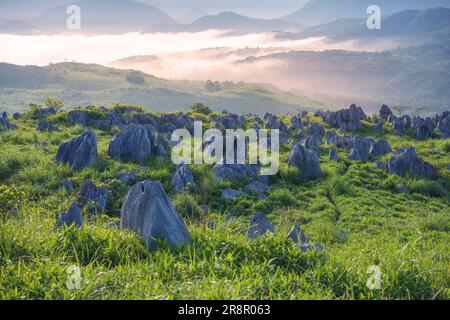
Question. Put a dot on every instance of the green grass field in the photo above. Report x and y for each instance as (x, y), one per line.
(354, 210)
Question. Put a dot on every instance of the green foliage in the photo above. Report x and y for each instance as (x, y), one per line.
(187, 206)
(55, 103)
(201, 109)
(355, 211)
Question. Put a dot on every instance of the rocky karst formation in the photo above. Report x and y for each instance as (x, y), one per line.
(79, 152)
(306, 161)
(148, 211)
(132, 144)
(182, 179)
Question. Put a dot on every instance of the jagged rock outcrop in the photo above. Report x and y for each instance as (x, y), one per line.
(316, 129)
(148, 211)
(257, 188)
(423, 128)
(312, 142)
(69, 218)
(397, 125)
(133, 144)
(44, 125)
(302, 241)
(90, 193)
(238, 173)
(385, 112)
(182, 179)
(230, 194)
(380, 148)
(67, 185)
(443, 125)
(128, 178)
(409, 164)
(5, 125)
(307, 162)
(79, 152)
(259, 226)
(345, 120)
(333, 155)
(360, 150)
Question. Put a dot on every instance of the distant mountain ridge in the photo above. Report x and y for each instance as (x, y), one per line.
(401, 24)
(229, 21)
(317, 12)
(104, 16)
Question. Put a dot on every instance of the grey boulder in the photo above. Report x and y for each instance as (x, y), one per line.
(231, 194)
(333, 155)
(79, 152)
(133, 144)
(380, 148)
(67, 185)
(182, 179)
(259, 226)
(360, 150)
(72, 217)
(307, 162)
(409, 164)
(44, 125)
(90, 193)
(148, 211)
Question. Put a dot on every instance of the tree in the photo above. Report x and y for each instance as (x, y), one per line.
(55, 103)
(201, 108)
(400, 110)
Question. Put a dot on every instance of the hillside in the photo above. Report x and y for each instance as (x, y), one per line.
(82, 85)
(417, 77)
(352, 218)
(412, 24)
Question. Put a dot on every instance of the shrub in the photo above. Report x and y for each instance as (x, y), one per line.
(187, 206)
(10, 197)
(428, 188)
(201, 108)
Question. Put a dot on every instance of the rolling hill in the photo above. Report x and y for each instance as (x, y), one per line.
(82, 85)
(407, 23)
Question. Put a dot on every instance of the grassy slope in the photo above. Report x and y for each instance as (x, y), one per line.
(89, 84)
(406, 235)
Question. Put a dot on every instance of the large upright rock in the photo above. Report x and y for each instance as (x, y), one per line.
(5, 124)
(133, 144)
(409, 164)
(443, 125)
(259, 226)
(78, 152)
(347, 119)
(380, 148)
(423, 128)
(307, 162)
(360, 151)
(148, 211)
(89, 192)
(72, 217)
(182, 178)
(385, 112)
(44, 125)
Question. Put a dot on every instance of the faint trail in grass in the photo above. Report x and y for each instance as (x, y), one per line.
(335, 206)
